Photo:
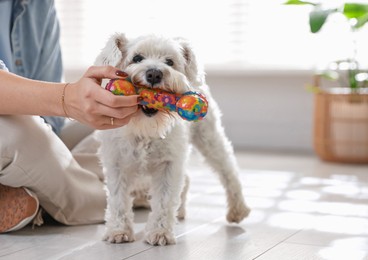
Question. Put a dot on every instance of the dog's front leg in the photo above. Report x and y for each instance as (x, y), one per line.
(119, 212)
(167, 183)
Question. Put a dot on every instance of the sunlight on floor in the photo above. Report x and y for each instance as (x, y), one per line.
(332, 205)
(324, 208)
(341, 253)
(301, 209)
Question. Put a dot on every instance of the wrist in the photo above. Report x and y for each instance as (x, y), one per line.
(63, 101)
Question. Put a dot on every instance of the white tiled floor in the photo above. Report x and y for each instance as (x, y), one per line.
(302, 208)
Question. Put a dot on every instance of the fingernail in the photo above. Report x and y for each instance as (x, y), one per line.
(139, 99)
(121, 73)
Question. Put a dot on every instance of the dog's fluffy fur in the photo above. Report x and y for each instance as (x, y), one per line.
(144, 161)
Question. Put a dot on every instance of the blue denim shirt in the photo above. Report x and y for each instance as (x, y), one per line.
(34, 39)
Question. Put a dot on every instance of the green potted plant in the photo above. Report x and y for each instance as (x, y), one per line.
(341, 112)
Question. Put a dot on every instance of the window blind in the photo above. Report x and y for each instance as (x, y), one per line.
(227, 34)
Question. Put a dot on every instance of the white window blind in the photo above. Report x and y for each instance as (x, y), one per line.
(227, 34)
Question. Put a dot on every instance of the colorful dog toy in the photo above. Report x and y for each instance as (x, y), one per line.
(191, 106)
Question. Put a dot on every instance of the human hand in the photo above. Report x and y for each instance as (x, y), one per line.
(190, 105)
(90, 104)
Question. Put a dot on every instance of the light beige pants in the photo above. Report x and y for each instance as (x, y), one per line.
(65, 176)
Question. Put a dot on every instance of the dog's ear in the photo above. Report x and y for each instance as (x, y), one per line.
(192, 70)
(114, 52)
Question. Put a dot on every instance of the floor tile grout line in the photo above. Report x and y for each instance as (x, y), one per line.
(15, 252)
(278, 243)
(199, 227)
(136, 254)
(75, 249)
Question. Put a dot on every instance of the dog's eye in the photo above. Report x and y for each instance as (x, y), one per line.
(170, 62)
(138, 58)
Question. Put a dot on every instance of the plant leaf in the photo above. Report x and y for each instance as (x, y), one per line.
(312, 89)
(298, 2)
(330, 75)
(352, 80)
(361, 21)
(355, 10)
(318, 17)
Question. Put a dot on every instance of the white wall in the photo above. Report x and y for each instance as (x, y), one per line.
(263, 110)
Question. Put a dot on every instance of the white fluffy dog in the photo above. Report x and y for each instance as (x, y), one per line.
(144, 161)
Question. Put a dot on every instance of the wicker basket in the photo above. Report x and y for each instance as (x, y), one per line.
(341, 126)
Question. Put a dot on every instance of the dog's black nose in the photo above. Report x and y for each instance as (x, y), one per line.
(154, 76)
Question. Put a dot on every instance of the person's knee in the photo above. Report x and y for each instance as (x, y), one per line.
(18, 133)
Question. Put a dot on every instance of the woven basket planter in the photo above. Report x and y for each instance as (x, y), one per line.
(341, 126)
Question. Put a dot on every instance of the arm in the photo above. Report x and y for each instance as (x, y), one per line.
(84, 100)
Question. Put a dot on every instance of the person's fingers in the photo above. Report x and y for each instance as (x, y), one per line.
(97, 107)
(107, 98)
(102, 72)
(118, 122)
(111, 122)
(119, 112)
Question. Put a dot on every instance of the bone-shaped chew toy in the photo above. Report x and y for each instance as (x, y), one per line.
(191, 106)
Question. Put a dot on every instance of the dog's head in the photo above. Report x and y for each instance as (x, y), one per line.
(157, 62)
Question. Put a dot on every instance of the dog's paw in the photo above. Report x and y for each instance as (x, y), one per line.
(160, 237)
(237, 213)
(119, 236)
(181, 213)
